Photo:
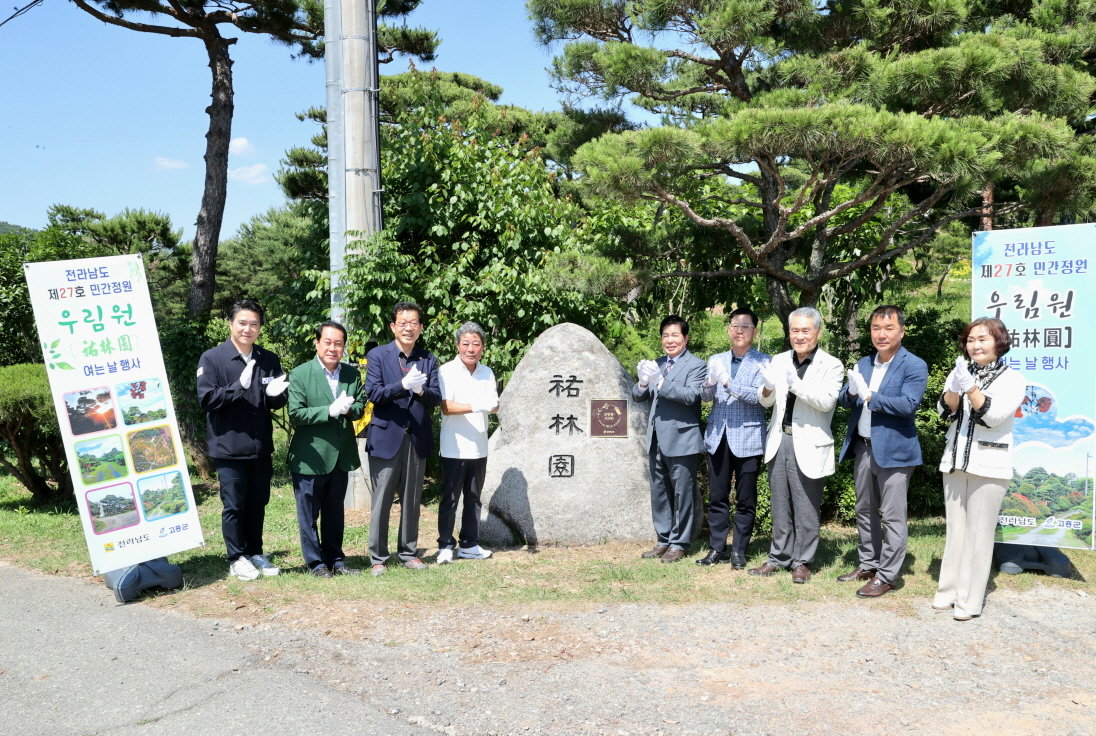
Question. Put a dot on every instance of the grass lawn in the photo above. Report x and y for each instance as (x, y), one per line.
(51, 541)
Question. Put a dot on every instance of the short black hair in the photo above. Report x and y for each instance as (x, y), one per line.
(673, 319)
(406, 307)
(888, 310)
(246, 305)
(746, 311)
(330, 323)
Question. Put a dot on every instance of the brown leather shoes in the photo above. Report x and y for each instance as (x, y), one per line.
(873, 589)
(801, 574)
(658, 551)
(859, 573)
(766, 570)
(673, 554)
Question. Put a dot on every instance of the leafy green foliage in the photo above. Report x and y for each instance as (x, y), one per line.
(471, 223)
(275, 259)
(18, 334)
(31, 449)
(816, 143)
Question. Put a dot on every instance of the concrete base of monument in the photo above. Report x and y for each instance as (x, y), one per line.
(567, 464)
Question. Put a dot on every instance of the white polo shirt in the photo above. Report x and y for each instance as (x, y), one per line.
(464, 436)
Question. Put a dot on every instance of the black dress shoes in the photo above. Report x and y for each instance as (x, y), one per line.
(714, 558)
(738, 562)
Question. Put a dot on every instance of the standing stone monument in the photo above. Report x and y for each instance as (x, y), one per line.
(567, 463)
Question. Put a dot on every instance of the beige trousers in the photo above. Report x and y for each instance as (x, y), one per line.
(971, 503)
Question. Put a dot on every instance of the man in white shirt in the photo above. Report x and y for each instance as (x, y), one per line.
(468, 395)
(884, 391)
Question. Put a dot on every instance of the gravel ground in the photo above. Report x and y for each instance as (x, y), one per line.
(1025, 667)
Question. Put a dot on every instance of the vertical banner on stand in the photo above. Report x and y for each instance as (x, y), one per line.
(110, 390)
(1041, 282)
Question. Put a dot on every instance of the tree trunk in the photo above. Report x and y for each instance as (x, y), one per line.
(987, 208)
(203, 262)
(852, 327)
(778, 290)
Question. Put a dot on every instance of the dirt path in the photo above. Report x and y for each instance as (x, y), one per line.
(1025, 667)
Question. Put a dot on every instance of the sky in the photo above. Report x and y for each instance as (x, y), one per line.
(108, 118)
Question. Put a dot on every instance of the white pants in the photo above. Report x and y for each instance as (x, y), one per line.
(971, 503)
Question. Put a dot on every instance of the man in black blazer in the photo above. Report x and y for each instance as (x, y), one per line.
(401, 379)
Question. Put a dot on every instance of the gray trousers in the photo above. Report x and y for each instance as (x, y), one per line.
(673, 497)
(402, 473)
(795, 503)
(880, 514)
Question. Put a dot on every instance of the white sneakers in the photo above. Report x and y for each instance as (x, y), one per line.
(243, 569)
(250, 568)
(445, 556)
(265, 566)
(474, 553)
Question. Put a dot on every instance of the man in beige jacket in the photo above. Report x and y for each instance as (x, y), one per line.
(801, 385)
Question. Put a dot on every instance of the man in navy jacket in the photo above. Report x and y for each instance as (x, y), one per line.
(401, 379)
(884, 391)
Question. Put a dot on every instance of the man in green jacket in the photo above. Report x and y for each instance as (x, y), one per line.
(323, 402)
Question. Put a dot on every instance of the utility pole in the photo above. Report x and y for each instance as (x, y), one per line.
(353, 142)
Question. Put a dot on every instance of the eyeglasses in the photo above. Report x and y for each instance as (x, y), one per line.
(741, 328)
(404, 325)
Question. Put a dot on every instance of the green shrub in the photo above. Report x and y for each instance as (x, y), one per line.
(30, 442)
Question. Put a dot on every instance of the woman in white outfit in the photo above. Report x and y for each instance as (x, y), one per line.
(979, 402)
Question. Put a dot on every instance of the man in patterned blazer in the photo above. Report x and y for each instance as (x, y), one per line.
(735, 439)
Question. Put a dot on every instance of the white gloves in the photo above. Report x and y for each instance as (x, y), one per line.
(770, 374)
(245, 377)
(962, 378)
(647, 371)
(277, 386)
(414, 380)
(791, 376)
(949, 382)
(857, 385)
(340, 405)
(717, 373)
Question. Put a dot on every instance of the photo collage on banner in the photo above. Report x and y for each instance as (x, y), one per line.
(1041, 282)
(110, 389)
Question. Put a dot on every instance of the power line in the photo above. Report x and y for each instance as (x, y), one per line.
(20, 11)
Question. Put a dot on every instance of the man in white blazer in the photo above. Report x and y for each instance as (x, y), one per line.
(801, 385)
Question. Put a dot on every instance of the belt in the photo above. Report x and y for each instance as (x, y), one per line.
(865, 440)
(786, 430)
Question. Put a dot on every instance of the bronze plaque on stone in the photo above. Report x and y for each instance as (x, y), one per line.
(609, 418)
